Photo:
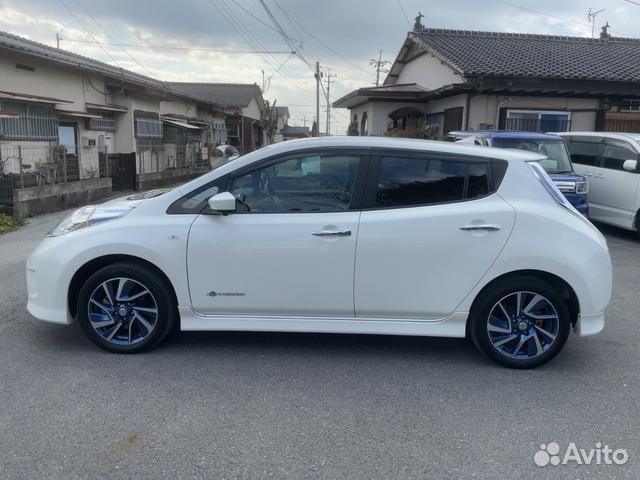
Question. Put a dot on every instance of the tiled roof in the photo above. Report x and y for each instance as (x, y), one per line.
(281, 111)
(226, 94)
(289, 130)
(534, 56)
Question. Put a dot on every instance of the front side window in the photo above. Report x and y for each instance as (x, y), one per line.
(614, 156)
(313, 183)
(407, 181)
(585, 153)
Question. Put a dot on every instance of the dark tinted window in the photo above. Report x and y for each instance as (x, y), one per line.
(406, 181)
(313, 183)
(614, 156)
(478, 180)
(585, 153)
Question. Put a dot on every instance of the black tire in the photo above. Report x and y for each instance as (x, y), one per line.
(489, 298)
(162, 297)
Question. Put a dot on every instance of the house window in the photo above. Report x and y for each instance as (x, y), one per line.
(538, 120)
(26, 121)
(630, 105)
(106, 123)
(147, 124)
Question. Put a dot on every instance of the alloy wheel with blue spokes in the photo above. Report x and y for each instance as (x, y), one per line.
(523, 325)
(122, 311)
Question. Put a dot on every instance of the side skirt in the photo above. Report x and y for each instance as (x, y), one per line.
(452, 326)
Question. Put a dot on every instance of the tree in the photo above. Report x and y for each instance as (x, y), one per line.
(352, 130)
(314, 129)
(270, 121)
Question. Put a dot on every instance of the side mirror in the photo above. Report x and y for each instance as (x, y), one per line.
(630, 165)
(223, 203)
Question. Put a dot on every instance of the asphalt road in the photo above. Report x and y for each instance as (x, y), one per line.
(240, 405)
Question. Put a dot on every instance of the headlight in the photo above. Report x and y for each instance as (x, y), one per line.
(87, 216)
(582, 187)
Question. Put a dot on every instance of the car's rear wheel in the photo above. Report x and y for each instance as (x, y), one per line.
(126, 308)
(521, 322)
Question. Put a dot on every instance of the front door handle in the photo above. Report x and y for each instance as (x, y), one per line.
(485, 227)
(332, 233)
(598, 175)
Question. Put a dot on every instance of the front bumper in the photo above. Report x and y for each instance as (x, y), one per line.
(588, 325)
(48, 284)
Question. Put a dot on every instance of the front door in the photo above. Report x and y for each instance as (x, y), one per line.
(290, 248)
(419, 253)
(617, 187)
(71, 166)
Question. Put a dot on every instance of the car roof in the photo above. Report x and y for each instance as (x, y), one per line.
(507, 134)
(618, 135)
(393, 143)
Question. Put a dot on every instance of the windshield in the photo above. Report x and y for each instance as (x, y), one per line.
(557, 160)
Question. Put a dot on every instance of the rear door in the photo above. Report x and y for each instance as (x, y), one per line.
(421, 243)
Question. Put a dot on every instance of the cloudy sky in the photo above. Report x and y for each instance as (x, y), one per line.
(216, 40)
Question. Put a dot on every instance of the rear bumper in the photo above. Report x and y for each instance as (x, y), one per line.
(588, 325)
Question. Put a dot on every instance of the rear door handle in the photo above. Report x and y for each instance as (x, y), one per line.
(485, 227)
(332, 233)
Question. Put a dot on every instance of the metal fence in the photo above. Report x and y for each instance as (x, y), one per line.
(32, 165)
(153, 156)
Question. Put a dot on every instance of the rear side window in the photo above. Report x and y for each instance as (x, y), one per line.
(408, 181)
(614, 156)
(585, 153)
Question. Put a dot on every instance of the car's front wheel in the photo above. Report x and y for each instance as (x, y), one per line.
(522, 322)
(126, 308)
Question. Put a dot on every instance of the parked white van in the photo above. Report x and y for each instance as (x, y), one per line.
(610, 163)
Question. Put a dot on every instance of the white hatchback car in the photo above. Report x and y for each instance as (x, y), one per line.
(610, 162)
(344, 235)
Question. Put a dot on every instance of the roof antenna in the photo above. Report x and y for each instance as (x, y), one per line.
(591, 16)
(417, 26)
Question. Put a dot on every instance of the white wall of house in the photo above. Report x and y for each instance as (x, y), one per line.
(179, 107)
(428, 71)
(51, 80)
(252, 110)
(484, 108)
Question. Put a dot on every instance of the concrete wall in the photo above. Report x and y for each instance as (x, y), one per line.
(51, 198)
(145, 181)
(428, 71)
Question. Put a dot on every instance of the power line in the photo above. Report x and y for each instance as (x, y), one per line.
(88, 32)
(110, 37)
(188, 49)
(404, 13)
(542, 14)
(335, 52)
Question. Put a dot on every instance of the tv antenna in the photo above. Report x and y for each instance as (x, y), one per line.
(591, 16)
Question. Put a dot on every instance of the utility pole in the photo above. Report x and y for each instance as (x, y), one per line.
(57, 40)
(317, 99)
(330, 76)
(379, 65)
(591, 16)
